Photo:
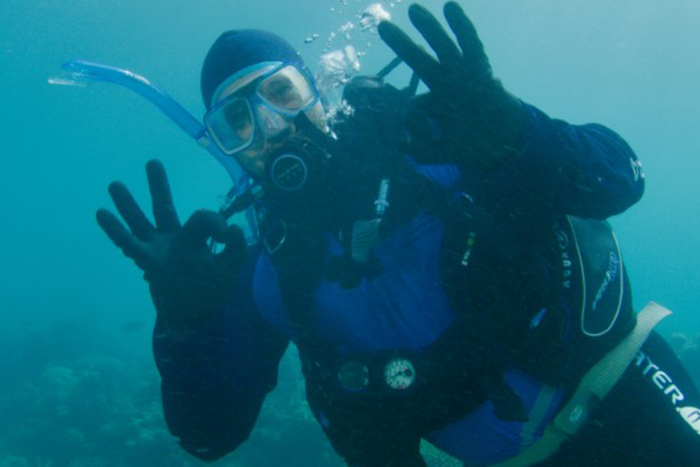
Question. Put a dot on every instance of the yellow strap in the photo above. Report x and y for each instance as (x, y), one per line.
(595, 385)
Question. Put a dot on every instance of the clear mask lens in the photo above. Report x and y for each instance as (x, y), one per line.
(231, 125)
(287, 90)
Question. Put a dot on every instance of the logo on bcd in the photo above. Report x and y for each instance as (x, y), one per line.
(692, 417)
(562, 239)
(610, 275)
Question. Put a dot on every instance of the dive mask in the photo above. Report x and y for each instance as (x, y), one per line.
(257, 105)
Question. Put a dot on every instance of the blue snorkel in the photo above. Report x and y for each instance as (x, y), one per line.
(79, 72)
(243, 193)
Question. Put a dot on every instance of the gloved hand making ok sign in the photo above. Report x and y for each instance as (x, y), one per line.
(188, 282)
(478, 121)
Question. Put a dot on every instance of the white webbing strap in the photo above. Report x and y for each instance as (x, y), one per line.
(594, 386)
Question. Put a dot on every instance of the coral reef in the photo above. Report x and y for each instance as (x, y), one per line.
(100, 407)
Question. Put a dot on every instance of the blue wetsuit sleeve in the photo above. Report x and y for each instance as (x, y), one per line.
(214, 380)
(582, 170)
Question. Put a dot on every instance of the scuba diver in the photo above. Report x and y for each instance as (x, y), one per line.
(441, 261)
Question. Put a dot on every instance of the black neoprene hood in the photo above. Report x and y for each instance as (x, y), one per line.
(238, 49)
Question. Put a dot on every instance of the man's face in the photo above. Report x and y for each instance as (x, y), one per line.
(256, 111)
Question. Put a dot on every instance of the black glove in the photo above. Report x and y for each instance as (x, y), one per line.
(188, 282)
(479, 121)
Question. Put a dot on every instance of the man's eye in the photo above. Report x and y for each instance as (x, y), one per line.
(282, 92)
(237, 115)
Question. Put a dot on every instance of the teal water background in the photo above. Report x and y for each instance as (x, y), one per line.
(632, 65)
